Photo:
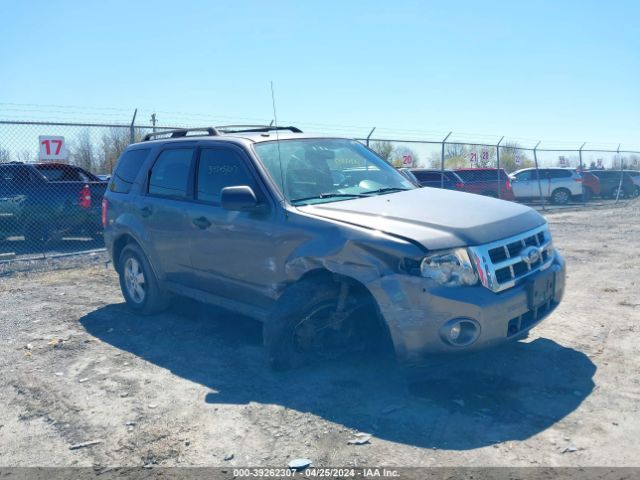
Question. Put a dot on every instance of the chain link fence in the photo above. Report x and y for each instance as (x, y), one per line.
(53, 176)
(509, 171)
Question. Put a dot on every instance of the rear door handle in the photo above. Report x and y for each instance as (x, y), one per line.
(146, 211)
(202, 223)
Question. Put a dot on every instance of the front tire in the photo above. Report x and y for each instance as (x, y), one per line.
(305, 327)
(139, 284)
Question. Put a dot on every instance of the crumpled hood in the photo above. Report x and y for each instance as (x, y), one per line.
(433, 217)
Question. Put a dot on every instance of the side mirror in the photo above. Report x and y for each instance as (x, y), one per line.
(238, 198)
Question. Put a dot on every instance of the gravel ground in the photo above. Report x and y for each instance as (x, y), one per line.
(190, 387)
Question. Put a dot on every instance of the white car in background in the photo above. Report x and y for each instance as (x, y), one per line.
(559, 185)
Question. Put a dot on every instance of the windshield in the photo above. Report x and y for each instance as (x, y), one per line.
(327, 170)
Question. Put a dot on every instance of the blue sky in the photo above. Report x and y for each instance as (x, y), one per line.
(562, 71)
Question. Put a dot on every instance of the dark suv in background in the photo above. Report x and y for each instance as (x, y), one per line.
(327, 244)
(613, 180)
(45, 201)
(438, 178)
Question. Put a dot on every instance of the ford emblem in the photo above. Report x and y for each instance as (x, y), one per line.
(530, 255)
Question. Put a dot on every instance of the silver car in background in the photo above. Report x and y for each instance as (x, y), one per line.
(559, 185)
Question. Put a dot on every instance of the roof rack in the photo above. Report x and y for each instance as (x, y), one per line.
(217, 131)
(182, 132)
(254, 128)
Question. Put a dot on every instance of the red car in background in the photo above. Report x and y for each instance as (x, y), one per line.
(484, 181)
(590, 184)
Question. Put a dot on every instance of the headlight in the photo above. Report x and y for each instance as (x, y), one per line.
(451, 268)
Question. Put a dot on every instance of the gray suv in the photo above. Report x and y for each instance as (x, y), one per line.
(327, 244)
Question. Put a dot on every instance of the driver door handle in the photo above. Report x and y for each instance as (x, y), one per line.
(146, 211)
(202, 223)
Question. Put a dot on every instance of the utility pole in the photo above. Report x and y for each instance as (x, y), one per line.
(153, 122)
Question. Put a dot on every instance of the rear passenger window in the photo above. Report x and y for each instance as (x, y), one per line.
(559, 173)
(127, 170)
(220, 168)
(170, 174)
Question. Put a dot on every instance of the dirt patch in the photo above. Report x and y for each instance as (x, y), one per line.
(190, 387)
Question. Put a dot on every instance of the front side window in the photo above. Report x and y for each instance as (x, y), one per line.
(220, 168)
(170, 174)
(327, 170)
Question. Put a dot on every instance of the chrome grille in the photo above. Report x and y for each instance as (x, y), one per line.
(501, 264)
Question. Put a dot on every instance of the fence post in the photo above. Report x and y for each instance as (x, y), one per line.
(535, 159)
(584, 198)
(498, 166)
(621, 175)
(369, 136)
(442, 161)
(132, 136)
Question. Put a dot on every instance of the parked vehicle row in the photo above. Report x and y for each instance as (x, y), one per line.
(41, 201)
(483, 181)
(556, 185)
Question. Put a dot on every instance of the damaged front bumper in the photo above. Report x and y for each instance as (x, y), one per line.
(418, 312)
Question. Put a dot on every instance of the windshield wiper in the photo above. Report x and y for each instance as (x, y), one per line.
(386, 190)
(328, 195)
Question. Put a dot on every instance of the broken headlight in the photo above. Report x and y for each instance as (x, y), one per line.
(451, 268)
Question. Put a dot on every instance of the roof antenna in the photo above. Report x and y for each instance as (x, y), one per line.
(275, 121)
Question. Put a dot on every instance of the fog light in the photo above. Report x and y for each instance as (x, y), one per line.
(454, 332)
(460, 332)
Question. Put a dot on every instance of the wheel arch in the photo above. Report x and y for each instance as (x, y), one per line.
(324, 276)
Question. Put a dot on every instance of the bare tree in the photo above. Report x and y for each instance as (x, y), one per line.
(82, 151)
(382, 148)
(455, 150)
(399, 154)
(513, 157)
(112, 145)
(5, 155)
(26, 156)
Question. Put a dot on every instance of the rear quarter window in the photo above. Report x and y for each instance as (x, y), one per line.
(127, 169)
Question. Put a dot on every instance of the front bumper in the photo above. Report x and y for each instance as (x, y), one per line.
(415, 310)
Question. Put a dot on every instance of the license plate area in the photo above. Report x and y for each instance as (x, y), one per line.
(541, 289)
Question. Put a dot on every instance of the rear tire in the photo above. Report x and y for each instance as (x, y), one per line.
(614, 193)
(37, 234)
(139, 284)
(561, 196)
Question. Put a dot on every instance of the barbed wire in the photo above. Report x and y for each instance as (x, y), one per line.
(13, 111)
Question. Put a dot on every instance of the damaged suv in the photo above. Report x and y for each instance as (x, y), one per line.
(324, 242)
